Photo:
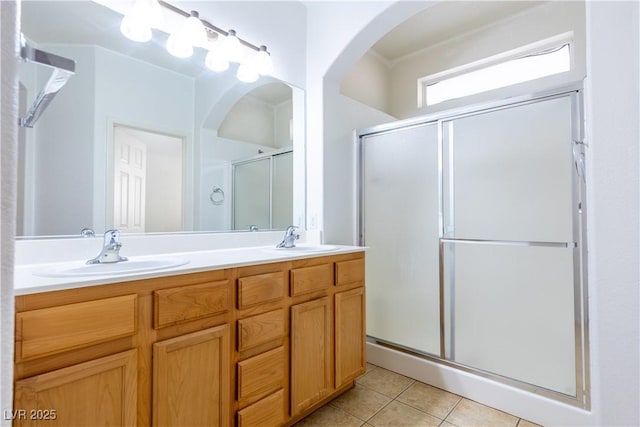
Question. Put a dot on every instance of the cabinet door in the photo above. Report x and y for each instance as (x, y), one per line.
(310, 353)
(101, 391)
(350, 335)
(191, 379)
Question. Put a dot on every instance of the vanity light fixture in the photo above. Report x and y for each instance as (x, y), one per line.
(196, 32)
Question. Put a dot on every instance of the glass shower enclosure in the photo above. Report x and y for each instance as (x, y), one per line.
(474, 220)
(263, 191)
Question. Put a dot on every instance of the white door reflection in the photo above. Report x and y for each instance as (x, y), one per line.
(148, 184)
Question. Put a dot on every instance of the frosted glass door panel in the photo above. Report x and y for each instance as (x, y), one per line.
(251, 194)
(509, 311)
(400, 186)
(511, 173)
(282, 203)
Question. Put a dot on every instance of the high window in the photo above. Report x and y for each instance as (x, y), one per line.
(480, 77)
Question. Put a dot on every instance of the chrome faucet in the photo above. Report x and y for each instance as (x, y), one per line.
(110, 249)
(289, 238)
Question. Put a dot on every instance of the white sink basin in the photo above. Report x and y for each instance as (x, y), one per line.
(299, 249)
(124, 267)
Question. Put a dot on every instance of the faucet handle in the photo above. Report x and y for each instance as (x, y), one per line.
(87, 232)
(112, 236)
(290, 230)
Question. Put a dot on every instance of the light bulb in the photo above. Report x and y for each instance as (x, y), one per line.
(214, 60)
(261, 62)
(154, 13)
(193, 30)
(179, 46)
(145, 14)
(135, 29)
(232, 48)
(247, 74)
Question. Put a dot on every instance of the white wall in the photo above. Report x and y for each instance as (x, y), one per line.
(368, 82)
(258, 122)
(9, 12)
(613, 112)
(250, 120)
(283, 116)
(63, 149)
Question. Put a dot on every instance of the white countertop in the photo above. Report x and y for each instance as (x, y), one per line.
(26, 282)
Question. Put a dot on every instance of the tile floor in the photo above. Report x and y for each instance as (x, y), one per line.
(383, 398)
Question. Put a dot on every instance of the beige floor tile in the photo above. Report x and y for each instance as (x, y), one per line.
(525, 423)
(385, 382)
(370, 367)
(361, 402)
(446, 424)
(397, 414)
(330, 416)
(429, 399)
(473, 414)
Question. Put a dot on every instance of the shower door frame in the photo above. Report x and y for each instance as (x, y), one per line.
(580, 274)
(262, 156)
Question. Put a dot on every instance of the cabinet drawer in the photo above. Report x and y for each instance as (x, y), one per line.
(261, 375)
(309, 279)
(56, 329)
(351, 271)
(190, 302)
(260, 329)
(259, 289)
(269, 412)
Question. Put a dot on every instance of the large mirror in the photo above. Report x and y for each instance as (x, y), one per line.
(146, 142)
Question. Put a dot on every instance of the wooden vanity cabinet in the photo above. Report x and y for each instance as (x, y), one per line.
(261, 345)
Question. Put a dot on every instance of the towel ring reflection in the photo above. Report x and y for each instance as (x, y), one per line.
(216, 196)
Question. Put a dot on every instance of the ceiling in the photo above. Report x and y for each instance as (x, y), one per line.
(444, 21)
(272, 93)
